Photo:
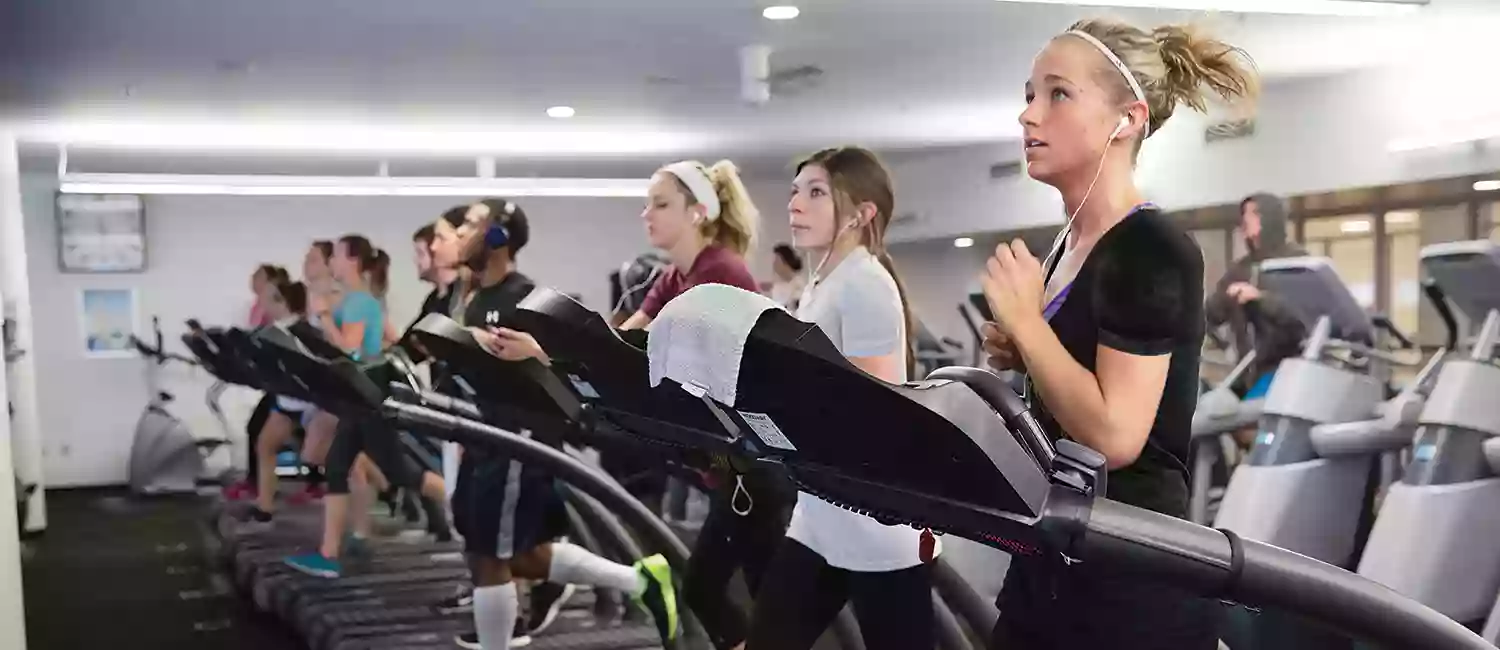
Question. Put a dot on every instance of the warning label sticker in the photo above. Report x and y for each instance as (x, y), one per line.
(767, 430)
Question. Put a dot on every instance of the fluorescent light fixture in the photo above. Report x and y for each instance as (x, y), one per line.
(1354, 226)
(1466, 134)
(781, 12)
(963, 242)
(1400, 217)
(348, 185)
(1486, 186)
(1306, 7)
(362, 139)
(561, 112)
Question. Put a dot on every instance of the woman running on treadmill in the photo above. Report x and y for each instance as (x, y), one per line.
(841, 206)
(703, 218)
(356, 325)
(262, 280)
(286, 415)
(263, 283)
(503, 508)
(1109, 328)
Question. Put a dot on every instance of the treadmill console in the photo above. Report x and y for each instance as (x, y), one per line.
(1313, 288)
(1468, 272)
(945, 458)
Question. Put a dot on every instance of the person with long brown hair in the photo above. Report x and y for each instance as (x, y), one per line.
(841, 206)
(1109, 328)
(356, 326)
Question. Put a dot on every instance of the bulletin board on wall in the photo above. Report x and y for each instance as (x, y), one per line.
(101, 233)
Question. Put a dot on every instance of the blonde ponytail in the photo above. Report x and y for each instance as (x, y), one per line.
(738, 220)
(1174, 65)
(1196, 64)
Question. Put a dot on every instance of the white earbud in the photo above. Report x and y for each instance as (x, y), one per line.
(1124, 124)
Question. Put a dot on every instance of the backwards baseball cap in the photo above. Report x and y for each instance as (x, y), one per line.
(455, 215)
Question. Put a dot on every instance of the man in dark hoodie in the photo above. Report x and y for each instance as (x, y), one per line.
(1257, 320)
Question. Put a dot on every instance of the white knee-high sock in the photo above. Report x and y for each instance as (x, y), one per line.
(495, 610)
(576, 565)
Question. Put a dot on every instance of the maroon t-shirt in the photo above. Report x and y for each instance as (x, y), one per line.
(714, 265)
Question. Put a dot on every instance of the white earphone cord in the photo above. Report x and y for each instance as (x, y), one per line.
(1062, 237)
(626, 294)
(829, 255)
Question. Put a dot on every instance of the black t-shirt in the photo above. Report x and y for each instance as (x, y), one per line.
(1140, 291)
(493, 304)
(437, 302)
(488, 307)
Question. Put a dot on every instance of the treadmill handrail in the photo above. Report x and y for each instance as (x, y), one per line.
(1200, 559)
(552, 461)
(1439, 301)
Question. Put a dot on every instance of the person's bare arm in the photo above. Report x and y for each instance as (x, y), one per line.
(637, 321)
(1111, 412)
(888, 367)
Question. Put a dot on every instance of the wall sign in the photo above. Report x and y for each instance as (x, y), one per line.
(101, 233)
(107, 320)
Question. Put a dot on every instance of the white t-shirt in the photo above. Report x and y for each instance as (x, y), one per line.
(858, 307)
(789, 292)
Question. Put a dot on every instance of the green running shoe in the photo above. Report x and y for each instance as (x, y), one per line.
(660, 596)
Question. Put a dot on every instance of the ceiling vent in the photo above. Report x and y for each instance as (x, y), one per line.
(1006, 170)
(791, 81)
(1229, 130)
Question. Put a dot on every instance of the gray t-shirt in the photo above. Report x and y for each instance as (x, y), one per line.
(858, 307)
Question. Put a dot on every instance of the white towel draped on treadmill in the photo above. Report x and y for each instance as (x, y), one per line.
(698, 338)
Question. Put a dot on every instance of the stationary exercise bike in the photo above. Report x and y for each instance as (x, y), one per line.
(165, 457)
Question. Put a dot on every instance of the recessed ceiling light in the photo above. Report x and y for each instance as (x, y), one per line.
(561, 112)
(1486, 186)
(1400, 217)
(963, 242)
(781, 12)
(1354, 226)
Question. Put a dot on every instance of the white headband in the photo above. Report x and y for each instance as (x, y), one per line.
(697, 181)
(1135, 86)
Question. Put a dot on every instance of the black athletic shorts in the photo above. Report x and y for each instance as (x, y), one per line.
(502, 507)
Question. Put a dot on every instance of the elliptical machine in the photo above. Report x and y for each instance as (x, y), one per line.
(1434, 540)
(165, 457)
(1307, 485)
(1220, 414)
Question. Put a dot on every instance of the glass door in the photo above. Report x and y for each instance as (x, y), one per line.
(1406, 233)
(1349, 242)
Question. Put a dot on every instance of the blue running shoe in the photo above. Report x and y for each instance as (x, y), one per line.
(314, 564)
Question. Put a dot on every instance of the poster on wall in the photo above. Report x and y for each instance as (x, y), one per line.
(107, 319)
